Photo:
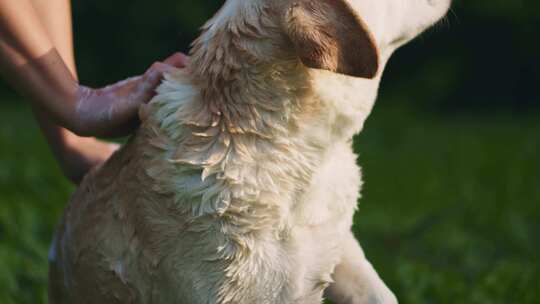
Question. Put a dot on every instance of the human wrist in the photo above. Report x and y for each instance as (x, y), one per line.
(106, 111)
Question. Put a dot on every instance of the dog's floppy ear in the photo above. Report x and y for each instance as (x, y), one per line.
(329, 35)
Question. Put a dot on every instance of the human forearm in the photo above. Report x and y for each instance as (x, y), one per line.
(22, 31)
(45, 81)
(30, 62)
(110, 111)
(37, 59)
(75, 155)
(34, 67)
(56, 17)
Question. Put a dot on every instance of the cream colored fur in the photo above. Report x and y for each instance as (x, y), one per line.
(241, 183)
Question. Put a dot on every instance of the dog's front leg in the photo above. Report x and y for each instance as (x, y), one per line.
(355, 279)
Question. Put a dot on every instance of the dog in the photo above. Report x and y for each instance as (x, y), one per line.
(241, 183)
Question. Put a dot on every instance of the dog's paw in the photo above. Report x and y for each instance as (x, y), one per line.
(386, 297)
(372, 296)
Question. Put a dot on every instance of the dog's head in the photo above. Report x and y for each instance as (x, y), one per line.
(350, 36)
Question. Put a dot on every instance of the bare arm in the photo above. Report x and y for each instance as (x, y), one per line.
(36, 57)
(32, 64)
(76, 155)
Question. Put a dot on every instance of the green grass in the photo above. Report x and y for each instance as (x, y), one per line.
(32, 195)
(450, 213)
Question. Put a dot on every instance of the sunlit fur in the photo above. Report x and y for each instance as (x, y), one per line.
(239, 187)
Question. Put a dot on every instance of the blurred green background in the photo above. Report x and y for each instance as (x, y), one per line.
(451, 205)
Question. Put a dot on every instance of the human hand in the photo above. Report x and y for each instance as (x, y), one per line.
(112, 111)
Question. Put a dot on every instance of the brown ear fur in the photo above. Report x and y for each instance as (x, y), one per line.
(328, 35)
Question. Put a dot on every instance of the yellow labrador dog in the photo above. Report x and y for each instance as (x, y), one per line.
(241, 184)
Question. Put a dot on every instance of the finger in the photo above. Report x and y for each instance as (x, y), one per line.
(178, 60)
(156, 71)
(152, 78)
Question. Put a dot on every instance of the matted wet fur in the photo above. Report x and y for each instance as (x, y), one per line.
(241, 184)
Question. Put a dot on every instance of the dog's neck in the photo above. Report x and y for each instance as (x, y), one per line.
(244, 106)
(246, 81)
(245, 78)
